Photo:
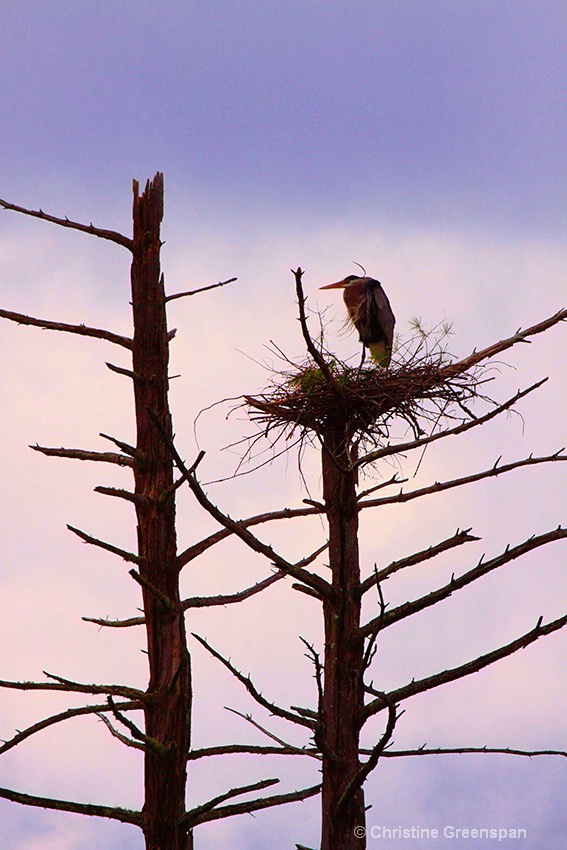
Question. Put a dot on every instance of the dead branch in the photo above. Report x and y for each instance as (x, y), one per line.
(441, 486)
(146, 740)
(496, 348)
(124, 739)
(296, 570)
(285, 746)
(118, 493)
(115, 624)
(67, 685)
(160, 597)
(125, 447)
(81, 454)
(401, 448)
(421, 685)
(201, 289)
(370, 650)
(256, 805)
(315, 659)
(195, 602)
(393, 480)
(366, 769)
(481, 569)
(229, 598)
(441, 751)
(82, 330)
(59, 718)
(198, 548)
(191, 818)
(251, 749)
(252, 690)
(112, 812)
(108, 547)
(128, 373)
(457, 539)
(111, 235)
(311, 347)
(308, 591)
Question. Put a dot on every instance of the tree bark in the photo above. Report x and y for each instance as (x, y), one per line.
(343, 694)
(168, 714)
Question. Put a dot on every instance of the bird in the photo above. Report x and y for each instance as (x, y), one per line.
(370, 312)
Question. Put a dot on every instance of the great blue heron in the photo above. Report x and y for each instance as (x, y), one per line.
(370, 312)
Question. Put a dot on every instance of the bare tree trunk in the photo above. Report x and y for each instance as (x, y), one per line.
(343, 694)
(168, 715)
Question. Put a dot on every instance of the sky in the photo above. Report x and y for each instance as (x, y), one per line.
(425, 141)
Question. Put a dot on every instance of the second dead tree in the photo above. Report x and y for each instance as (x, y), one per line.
(350, 412)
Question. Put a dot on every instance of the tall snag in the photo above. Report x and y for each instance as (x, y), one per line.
(165, 738)
(168, 707)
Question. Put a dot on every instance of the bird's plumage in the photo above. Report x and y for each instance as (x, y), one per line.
(370, 312)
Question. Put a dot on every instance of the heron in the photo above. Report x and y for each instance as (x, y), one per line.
(370, 312)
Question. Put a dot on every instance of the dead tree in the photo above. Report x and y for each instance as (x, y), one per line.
(165, 735)
(349, 413)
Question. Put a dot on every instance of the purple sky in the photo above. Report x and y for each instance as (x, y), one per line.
(424, 140)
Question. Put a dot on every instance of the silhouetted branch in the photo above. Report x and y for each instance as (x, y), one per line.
(481, 569)
(195, 602)
(457, 539)
(108, 547)
(146, 740)
(191, 818)
(112, 812)
(256, 805)
(251, 749)
(285, 746)
(366, 769)
(393, 480)
(128, 373)
(124, 739)
(161, 597)
(115, 624)
(201, 289)
(67, 685)
(111, 235)
(311, 347)
(421, 685)
(440, 486)
(198, 548)
(118, 493)
(229, 598)
(296, 570)
(82, 330)
(442, 751)
(370, 650)
(125, 447)
(315, 659)
(59, 718)
(401, 448)
(252, 690)
(497, 347)
(81, 454)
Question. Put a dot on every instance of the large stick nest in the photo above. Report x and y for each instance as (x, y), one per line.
(364, 400)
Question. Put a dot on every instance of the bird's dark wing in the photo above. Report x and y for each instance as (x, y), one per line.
(380, 310)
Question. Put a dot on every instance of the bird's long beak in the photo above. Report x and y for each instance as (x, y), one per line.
(340, 284)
